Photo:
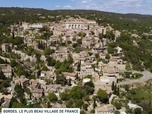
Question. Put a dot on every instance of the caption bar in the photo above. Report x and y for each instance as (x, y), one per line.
(40, 111)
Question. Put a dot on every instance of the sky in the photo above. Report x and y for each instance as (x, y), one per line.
(119, 6)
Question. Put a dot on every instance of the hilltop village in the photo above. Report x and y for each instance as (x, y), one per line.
(65, 64)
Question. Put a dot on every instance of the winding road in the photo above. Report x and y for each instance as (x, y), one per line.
(146, 76)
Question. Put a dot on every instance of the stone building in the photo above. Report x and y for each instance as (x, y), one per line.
(106, 109)
(6, 47)
(79, 24)
(61, 54)
(86, 69)
(22, 80)
(6, 69)
(17, 30)
(111, 71)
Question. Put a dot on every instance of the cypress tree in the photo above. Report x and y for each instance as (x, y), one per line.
(113, 86)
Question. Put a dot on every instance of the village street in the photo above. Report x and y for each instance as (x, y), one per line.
(146, 76)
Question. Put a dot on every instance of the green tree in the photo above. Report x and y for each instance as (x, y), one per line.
(82, 34)
(126, 87)
(17, 40)
(82, 112)
(45, 68)
(64, 96)
(45, 28)
(52, 97)
(79, 103)
(38, 56)
(107, 56)
(117, 112)
(13, 63)
(85, 107)
(102, 95)
(18, 88)
(2, 61)
(79, 41)
(94, 102)
(70, 59)
(86, 98)
(70, 103)
(47, 51)
(118, 91)
(113, 86)
(47, 35)
(101, 36)
(74, 45)
(50, 61)
(69, 82)
(41, 45)
(115, 89)
(79, 66)
(89, 87)
(97, 55)
(117, 105)
(138, 111)
(128, 66)
(17, 105)
(77, 93)
(2, 76)
(60, 79)
(111, 50)
(110, 35)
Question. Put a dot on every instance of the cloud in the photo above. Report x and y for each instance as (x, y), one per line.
(68, 6)
(124, 6)
(84, 2)
(120, 6)
(57, 6)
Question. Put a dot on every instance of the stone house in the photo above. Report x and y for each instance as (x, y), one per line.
(99, 50)
(111, 71)
(31, 41)
(105, 109)
(67, 38)
(35, 88)
(76, 57)
(71, 76)
(53, 47)
(53, 39)
(5, 100)
(99, 29)
(49, 90)
(35, 26)
(83, 55)
(6, 69)
(22, 80)
(116, 62)
(78, 23)
(17, 30)
(37, 93)
(87, 42)
(85, 69)
(134, 106)
(2, 100)
(33, 84)
(6, 47)
(37, 73)
(61, 54)
(105, 80)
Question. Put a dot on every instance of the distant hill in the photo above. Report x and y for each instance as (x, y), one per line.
(116, 20)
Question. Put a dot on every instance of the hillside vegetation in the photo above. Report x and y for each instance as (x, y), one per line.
(137, 50)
